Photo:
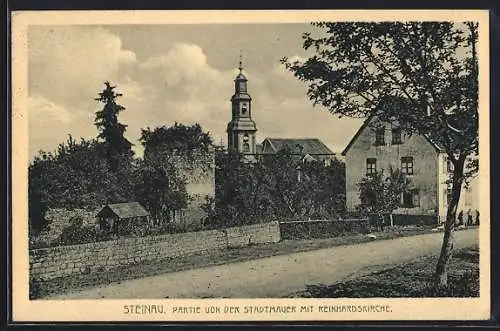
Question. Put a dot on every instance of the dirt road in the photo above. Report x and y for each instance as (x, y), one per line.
(278, 276)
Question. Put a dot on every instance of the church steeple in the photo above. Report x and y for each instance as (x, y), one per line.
(240, 63)
(241, 130)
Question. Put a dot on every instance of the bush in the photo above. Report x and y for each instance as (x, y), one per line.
(76, 233)
(37, 242)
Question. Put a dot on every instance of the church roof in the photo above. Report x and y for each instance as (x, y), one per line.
(311, 146)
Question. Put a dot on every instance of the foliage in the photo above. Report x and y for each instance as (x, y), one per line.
(278, 187)
(76, 175)
(178, 138)
(92, 173)
(171, 154)
(118, 148)
(76, 233)
(380, 194)
(159, 187)
(236, 188)
(422, 76)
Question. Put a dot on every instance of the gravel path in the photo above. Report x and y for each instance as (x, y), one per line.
(278, 276)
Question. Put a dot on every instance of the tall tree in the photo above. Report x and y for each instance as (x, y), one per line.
(160, 188)
(118, 148)
(291, 184)
(421, 75)
(172, 156)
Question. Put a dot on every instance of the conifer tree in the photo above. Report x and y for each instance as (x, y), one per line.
(118, 148)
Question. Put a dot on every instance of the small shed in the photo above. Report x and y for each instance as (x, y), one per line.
(122, 218)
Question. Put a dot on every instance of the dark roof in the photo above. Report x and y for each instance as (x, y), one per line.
(365, 124)
(126, 210)
(312, 146)
(259, 148)
(241, 76)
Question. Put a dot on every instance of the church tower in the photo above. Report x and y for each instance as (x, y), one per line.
(241, 130)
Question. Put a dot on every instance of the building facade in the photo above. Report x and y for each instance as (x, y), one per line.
(378, 146)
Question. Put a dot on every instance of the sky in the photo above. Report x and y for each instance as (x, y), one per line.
(171, 73)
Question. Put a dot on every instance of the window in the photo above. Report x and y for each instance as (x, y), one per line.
(246, 145)
(407, 200)
(407, 165)
(396, 136)
(410, 199)
(449, 166)
(379, 136)
(371, 166)
(244, 108)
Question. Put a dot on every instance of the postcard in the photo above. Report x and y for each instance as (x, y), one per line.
(176, 166)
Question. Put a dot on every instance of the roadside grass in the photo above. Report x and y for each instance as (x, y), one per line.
(41, 289)
(413, 279)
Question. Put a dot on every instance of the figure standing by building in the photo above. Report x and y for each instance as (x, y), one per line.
(469, 217)
(460, 218)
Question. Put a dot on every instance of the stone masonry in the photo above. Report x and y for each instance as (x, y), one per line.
(54, 262)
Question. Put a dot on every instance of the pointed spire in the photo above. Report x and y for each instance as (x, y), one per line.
(240, 64)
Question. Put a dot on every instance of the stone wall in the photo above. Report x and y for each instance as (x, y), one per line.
(58, 219)
(49, 263)
(199, 173)
(253, 234)
(313, 229)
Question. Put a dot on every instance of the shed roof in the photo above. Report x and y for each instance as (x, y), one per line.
(311, 146)
(126, 210)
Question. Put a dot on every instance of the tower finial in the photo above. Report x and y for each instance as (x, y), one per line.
(240, 64)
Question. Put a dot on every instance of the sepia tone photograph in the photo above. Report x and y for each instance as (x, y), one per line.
(285, 159)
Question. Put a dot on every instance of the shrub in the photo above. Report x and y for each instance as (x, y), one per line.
(76, 233)
(36, 242)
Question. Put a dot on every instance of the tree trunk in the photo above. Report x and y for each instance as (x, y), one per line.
(441, 274)
(392, 220)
